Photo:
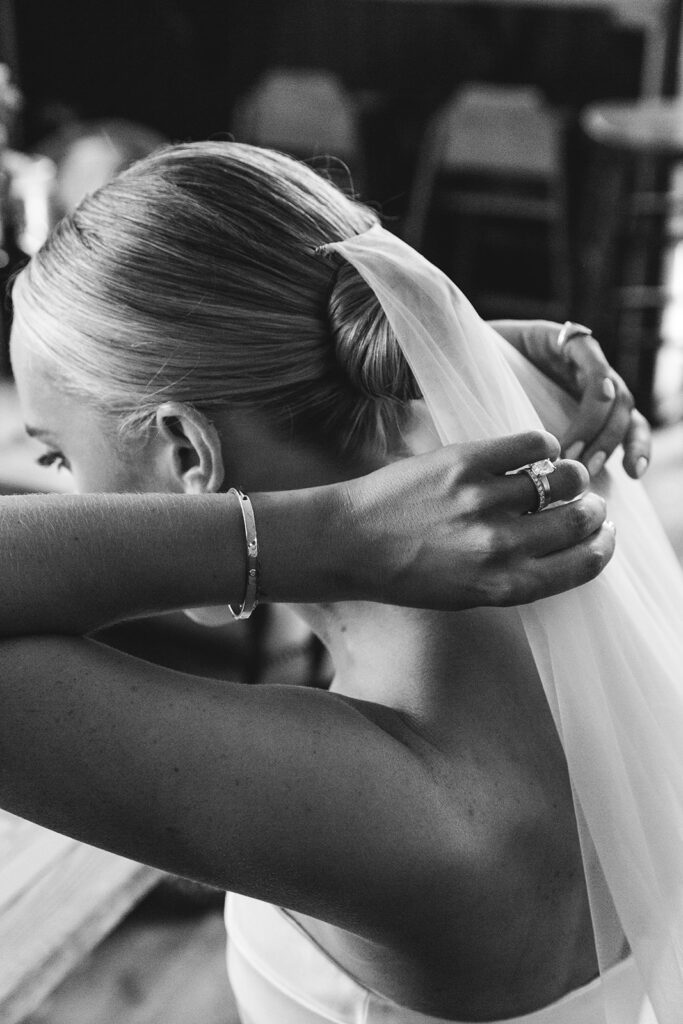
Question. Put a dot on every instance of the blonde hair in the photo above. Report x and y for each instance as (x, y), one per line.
(195, 276)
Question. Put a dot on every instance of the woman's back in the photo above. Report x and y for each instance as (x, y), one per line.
(507, 929)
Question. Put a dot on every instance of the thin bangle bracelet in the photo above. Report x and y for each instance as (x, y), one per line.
(251, 589)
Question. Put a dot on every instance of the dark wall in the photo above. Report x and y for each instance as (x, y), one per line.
(169, 63)
(179, 64)
(431, 47)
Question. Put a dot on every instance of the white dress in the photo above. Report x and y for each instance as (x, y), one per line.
(279, 975)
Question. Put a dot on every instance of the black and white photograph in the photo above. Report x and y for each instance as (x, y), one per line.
(341, 512)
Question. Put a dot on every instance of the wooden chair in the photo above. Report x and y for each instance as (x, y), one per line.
(494, 156)
(632, 213)
(633, 219)
(304, 112)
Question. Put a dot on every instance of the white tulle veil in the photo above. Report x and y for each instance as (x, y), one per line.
(609, 654)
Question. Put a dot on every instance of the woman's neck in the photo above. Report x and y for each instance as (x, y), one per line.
(369, 643)
(430, 664)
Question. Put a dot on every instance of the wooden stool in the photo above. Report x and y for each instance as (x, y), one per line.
(629, 215)
(490, 174)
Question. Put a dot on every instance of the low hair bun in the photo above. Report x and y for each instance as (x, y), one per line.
(201, 274)
(365, 345)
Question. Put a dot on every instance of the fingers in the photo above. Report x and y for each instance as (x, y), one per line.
(595, 407)
(501, 455)
(534, 578)
(584, 354)
(637, 445)
(606, 417)
(516, 493)
(563, 527)
(613, 430)
(574, 566)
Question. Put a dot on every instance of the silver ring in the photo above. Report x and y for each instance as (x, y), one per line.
(571, 330)
(538, 473)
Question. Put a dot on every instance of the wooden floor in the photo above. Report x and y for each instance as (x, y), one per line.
(161, 966)
(168, 967)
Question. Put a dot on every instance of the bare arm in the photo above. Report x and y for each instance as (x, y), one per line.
(73, 563)
(444, 530)
(290, 795)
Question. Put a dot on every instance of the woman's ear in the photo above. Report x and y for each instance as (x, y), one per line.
(191, 447)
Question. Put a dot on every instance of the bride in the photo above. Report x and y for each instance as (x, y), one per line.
(464, 828)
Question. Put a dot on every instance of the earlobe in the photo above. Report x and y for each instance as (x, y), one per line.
(193, 447)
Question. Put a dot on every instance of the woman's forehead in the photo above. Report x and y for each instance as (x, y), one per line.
(45, 407)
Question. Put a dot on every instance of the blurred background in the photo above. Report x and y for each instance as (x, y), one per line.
(508, 139)
(531, 148)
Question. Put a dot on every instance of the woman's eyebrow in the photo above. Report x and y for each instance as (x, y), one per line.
(36, 431)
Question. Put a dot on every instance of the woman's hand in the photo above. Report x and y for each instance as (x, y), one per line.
(606, 416)
(451, 530)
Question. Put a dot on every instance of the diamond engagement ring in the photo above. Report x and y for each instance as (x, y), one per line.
(538, 473)
(571, 330)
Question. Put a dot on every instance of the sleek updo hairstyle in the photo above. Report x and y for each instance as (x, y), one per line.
(196, 276)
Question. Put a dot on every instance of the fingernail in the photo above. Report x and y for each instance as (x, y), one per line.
(608, 390)
(595, 463)
(574, 450)
(641, 465)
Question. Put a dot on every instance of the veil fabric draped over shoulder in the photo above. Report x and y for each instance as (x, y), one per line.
(609, 654)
